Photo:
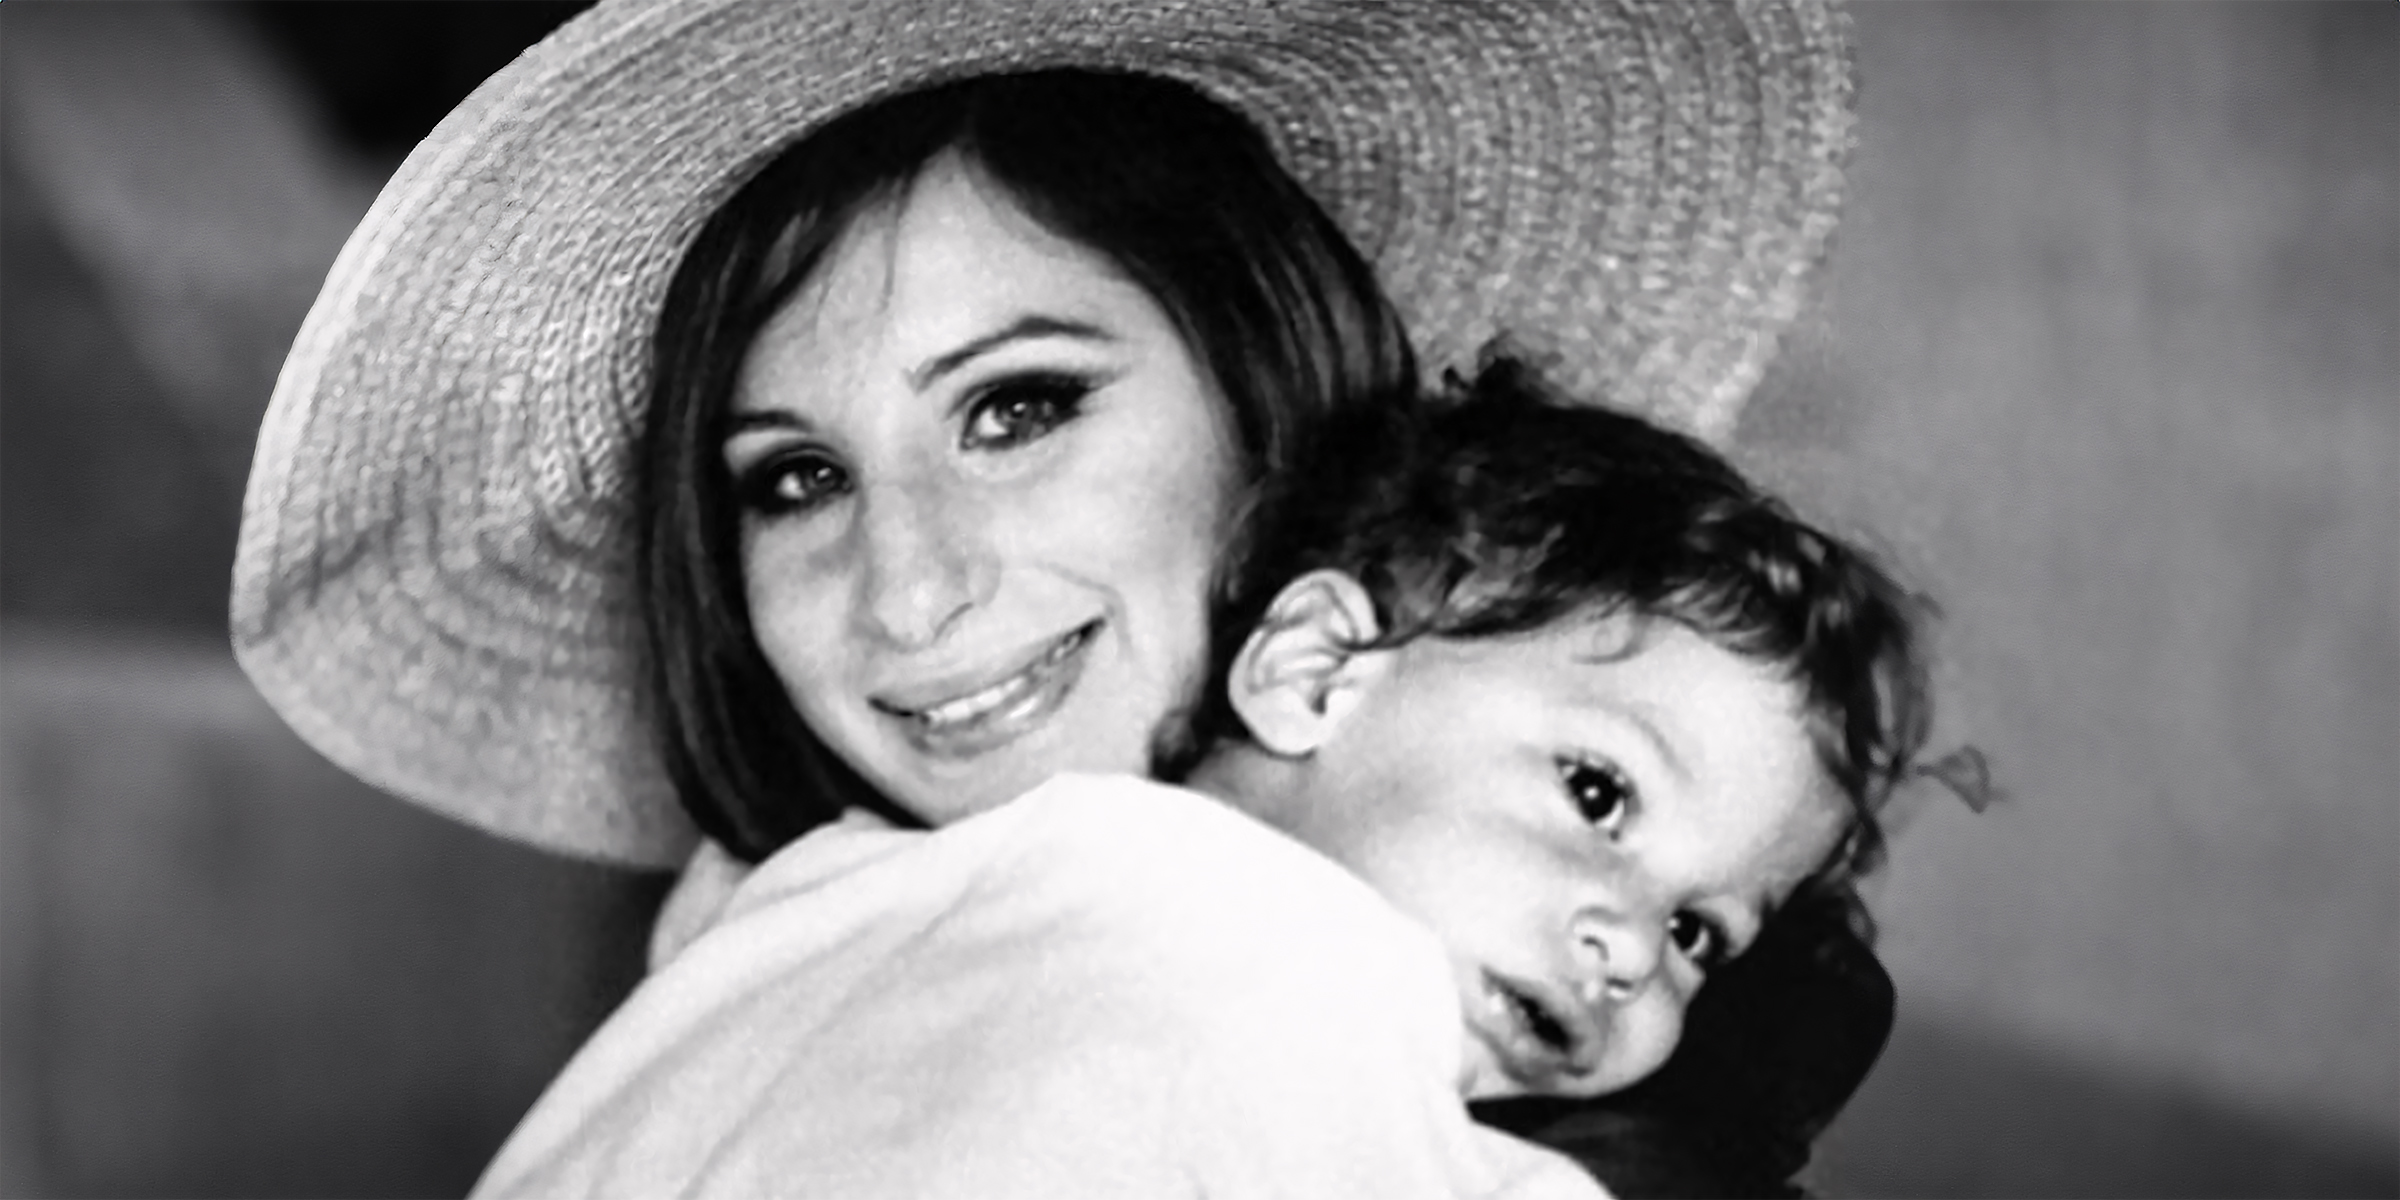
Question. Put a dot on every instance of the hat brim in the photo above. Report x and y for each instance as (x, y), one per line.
(433, 583)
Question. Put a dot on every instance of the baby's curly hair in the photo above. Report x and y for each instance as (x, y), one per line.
(1499, 506)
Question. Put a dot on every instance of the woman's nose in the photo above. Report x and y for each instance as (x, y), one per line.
(925, 564)
(1619, 951)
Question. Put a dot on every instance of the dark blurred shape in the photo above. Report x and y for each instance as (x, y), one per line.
(178, 178)
(232, 970)
(114, 507)
(1960, 1109)
(388, 70)
(226, 968)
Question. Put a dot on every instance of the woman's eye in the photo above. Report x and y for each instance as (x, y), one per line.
(790, 483)
(1699, 939)
(1024, 409)
(1600, 792)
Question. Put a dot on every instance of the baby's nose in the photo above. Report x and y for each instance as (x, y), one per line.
(1619, 953)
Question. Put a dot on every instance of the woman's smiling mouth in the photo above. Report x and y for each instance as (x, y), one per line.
(994, 714)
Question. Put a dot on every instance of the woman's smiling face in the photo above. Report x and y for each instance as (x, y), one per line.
(983, 484)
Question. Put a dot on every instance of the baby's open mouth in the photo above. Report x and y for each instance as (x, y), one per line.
(1537, 1020)
(1540, 1043)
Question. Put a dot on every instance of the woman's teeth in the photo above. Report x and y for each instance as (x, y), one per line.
(1011, 690)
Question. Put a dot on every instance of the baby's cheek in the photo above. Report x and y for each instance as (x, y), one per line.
(1646, 1033)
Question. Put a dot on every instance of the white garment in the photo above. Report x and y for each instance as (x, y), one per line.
(1105, 988)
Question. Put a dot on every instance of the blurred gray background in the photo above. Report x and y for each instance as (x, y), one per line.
(2105, 356)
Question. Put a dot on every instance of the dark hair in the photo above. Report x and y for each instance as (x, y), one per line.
(1179, 193)
(1501, 507)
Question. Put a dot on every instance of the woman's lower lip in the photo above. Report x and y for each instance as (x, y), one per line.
(1005, 711)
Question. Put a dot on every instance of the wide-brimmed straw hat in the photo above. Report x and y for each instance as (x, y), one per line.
(434, 581)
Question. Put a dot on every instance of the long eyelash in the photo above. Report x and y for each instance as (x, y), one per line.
(1057, 399)
(754, 486)
(1063, 388)
(1063, 381)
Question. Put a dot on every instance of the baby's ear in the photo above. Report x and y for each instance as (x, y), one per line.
(1302, 670)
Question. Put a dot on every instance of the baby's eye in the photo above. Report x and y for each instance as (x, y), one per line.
(1022, 409)
(1700, 939)
(1600, 792)
(783, 484)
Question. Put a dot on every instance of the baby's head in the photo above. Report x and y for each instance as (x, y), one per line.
(1567, 689)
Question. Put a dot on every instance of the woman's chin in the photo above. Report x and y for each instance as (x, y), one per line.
(943, 788)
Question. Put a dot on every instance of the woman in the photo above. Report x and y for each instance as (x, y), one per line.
(964, 578)
(558, 527)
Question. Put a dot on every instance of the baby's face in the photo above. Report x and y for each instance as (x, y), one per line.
(1589, 817)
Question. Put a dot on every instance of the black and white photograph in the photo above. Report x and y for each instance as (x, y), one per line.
(942, 599)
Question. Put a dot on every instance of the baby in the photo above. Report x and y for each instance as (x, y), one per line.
(1537, 715)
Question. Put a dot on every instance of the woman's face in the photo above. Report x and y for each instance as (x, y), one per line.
(983, 484)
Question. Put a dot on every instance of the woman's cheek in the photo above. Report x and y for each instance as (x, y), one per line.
(792, 615)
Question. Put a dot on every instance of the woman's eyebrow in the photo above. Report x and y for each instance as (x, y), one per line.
(1021, 329)
(747, 420)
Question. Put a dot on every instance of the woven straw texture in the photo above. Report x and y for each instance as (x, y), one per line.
(433, 584)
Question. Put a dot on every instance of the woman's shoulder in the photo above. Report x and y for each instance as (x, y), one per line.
(714, 884)
(1170, 842)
